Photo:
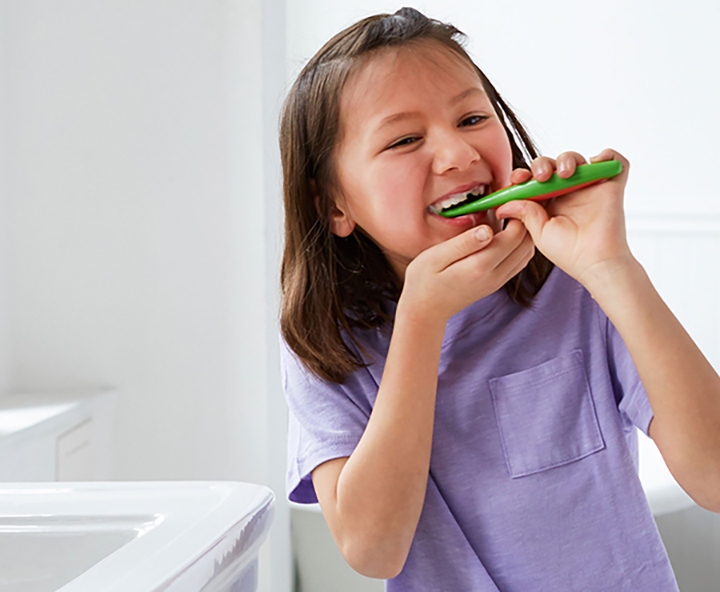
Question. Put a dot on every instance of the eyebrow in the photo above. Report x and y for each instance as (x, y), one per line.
(410, 114)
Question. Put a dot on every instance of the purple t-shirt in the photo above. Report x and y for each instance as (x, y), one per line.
(533, 480)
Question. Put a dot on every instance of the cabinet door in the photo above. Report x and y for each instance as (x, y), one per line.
(30, 459)
(75, 460)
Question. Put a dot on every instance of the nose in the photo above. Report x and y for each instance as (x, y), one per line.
(453, 152)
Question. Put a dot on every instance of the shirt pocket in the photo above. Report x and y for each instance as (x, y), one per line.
(546, 415)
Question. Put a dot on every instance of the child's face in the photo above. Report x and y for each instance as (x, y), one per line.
(448, 140)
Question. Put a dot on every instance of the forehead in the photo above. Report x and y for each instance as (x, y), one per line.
(390, 77)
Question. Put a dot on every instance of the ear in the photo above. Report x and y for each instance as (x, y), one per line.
(341, 224)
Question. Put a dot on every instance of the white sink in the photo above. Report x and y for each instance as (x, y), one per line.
(113, 537)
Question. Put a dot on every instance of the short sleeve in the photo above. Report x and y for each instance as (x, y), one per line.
(326, 420)
(630, 395)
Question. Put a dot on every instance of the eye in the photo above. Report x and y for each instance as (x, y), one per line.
(473, 120)
(403, 142)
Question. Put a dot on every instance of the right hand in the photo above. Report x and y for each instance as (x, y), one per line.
(448, 277)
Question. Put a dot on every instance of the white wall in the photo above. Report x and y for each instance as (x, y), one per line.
(4, 229)
(274, 75)
(140, 190)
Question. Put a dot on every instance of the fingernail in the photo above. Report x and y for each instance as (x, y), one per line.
(482, 233)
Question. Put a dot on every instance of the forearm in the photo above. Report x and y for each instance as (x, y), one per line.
(381, 489)
(682, 386)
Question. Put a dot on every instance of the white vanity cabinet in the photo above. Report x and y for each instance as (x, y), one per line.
(55, 436)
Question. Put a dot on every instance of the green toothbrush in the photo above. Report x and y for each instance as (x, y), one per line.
(584, 175)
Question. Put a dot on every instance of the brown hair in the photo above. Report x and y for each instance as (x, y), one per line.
(331, 284)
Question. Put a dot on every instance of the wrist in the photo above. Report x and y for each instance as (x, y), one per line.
(420, 315)
(604, 280)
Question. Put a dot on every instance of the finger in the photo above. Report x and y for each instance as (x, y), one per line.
(446, 253)
(610, 154)
(511, 236)
(503, 245)
(520, 176)
(517, 259)
(506, 241)
(532, 215)
(543, 167)
(567, 162)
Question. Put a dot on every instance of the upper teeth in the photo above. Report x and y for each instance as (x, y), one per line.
(456, 198)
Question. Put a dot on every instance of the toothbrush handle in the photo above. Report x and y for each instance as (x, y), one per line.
(550, 195)
(584, 175)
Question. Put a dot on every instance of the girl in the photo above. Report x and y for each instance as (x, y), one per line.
(464, 392)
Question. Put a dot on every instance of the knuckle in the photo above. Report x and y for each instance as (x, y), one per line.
(419, 262)
(461, 248)
(481, 268)
(514, 225)
(520, 231)
(415, 263)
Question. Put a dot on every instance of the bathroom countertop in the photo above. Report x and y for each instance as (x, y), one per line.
(24, 414)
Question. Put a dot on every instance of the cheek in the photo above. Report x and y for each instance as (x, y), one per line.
(394, 200)
(502, 155)
(397, 185)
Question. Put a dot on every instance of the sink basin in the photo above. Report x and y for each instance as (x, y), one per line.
(112, 537)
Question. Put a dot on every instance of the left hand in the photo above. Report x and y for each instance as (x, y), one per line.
(582, 232)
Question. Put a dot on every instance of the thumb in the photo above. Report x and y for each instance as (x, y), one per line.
(448, 252)
(530, 213)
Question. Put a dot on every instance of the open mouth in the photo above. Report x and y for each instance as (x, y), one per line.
(457, 199)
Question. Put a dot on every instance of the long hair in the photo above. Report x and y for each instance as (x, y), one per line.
(330, 284)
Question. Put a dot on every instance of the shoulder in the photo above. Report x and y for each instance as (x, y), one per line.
(307, 393)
